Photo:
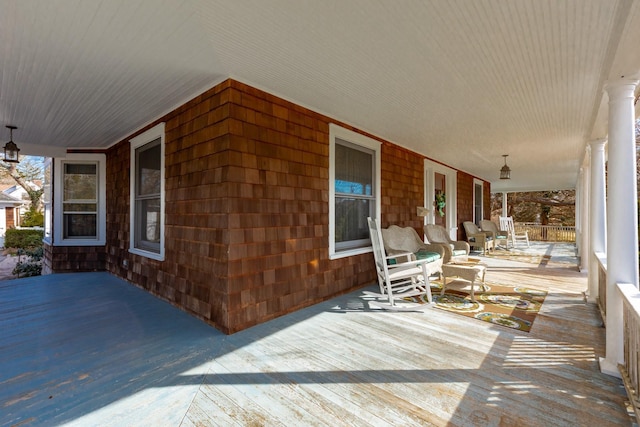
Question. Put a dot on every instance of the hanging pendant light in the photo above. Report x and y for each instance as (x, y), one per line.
(505, 172)
(11, 150)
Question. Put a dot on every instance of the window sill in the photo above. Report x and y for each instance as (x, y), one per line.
(147, 254)
(350, 252)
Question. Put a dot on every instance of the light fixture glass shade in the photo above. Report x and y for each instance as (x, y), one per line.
(505, 172)
(11, 150)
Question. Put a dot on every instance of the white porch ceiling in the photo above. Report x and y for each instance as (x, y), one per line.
(460, 81)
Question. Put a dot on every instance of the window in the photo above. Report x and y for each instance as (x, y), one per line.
(147, 193)
(79, 211)
(354, 186)
(477, 201)
(46, 200)
(80, 201)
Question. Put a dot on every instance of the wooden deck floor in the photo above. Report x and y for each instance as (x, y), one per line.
(88, 349)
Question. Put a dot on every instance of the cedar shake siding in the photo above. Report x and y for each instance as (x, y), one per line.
(247, 209)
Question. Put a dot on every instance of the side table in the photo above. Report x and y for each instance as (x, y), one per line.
(469, 271)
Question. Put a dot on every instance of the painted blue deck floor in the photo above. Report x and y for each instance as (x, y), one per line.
(88, 349)
(74, 344)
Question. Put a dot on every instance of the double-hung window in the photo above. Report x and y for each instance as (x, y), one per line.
(147, 193)
(354, 190)
(80, 209)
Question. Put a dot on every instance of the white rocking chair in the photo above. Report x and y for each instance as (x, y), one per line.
(400, 280)
(506, 223)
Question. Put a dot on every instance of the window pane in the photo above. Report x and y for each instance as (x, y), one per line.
(80, 182)
(79, 225)
(148, 165)
(351, 219)
(148, 224)
(354, 171)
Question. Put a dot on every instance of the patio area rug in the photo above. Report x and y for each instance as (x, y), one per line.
(508, 306)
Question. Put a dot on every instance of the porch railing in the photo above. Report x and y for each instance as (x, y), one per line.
(630, 370)
(547, 233)
(602, 284)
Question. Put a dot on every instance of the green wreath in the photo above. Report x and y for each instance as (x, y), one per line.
(441, 202)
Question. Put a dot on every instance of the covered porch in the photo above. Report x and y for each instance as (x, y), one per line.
(233, 112)
(89, 349)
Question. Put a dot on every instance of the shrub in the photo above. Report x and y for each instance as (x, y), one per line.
(23, 238)
(33, 219)
(32, 266)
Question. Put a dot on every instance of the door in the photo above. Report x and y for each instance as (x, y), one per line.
(477, 201)
(440, 199)
(440, 188)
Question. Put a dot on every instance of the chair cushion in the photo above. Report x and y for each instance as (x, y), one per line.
(427, 255)
(458, 252)
(420, 255)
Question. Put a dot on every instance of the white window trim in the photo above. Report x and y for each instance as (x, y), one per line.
(58, 183)
(338, 132)
(451, 192)
(140, 140)
(48, 203)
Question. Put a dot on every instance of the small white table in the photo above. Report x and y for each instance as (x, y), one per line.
(470, 271)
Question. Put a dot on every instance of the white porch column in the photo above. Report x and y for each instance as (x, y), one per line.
(583, 217)
(622, 215)
(504, 204)
(597, 217)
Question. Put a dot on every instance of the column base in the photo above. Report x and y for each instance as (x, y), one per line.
(609, 368)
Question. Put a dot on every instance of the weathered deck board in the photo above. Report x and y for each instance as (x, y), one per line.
(89, 349)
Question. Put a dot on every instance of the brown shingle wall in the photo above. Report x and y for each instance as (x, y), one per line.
(65, 259)
(486, 200)
(402, 184)
(193, 274)
(246, 229)
(465, 201)
(246, 232)
(278, 205)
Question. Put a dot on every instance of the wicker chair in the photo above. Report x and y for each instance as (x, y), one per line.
(405, 240)
(498, 235)
(482, 240)
(453, 249)
(400, 279)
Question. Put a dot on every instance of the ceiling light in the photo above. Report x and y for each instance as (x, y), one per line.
(505, 172)
(10, 148)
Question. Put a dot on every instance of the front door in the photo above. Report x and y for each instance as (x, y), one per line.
(440, 186)
(440, 197)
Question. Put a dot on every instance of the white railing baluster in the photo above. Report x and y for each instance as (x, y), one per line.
(547, 233)
(630, 369)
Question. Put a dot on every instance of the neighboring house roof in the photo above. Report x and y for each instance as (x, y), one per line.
(7, 200)
(18, 192)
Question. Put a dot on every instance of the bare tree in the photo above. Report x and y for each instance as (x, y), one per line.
(544, 207)
(29, 169)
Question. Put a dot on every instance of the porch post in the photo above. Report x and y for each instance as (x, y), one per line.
(583, 217)
(504, 203)
(598, 214)
(622, 215)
